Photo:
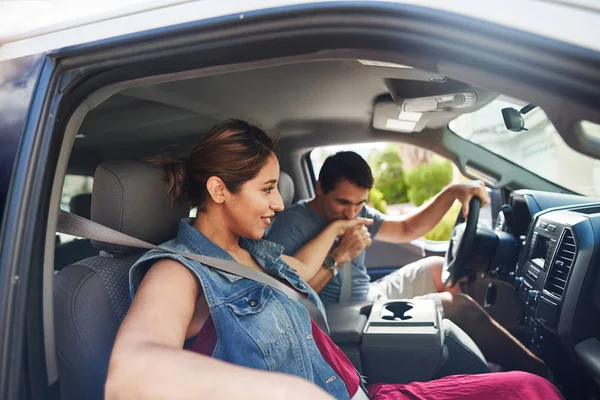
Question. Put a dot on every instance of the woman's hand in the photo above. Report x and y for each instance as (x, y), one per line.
(342, 225)
(354, 238)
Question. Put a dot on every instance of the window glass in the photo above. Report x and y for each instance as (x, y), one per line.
(406, 177)
(538, 147)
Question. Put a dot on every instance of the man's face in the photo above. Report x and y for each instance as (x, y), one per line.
(343, 202)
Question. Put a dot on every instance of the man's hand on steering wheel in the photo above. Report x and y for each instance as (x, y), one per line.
(464, 192)
(473, 196)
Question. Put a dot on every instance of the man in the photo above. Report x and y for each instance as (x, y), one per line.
(336, 227)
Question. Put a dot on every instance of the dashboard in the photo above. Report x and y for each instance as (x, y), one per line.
(557, 285)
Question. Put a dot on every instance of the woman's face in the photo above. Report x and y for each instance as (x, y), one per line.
(251, 209)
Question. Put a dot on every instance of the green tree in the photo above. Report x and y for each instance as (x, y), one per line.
(389, 174)
(377, 201)
(426, 180)
(443, 229)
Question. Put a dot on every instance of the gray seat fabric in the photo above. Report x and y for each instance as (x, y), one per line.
(463, 355)
(285, 186)
(91, 296)
(69, 252)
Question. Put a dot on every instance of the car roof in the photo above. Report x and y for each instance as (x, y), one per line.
(574, 24)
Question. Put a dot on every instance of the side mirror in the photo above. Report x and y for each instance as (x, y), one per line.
(513, 120)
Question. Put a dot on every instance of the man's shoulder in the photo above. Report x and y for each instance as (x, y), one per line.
(370, 212)
(296, 220)
(293, 227)
(298, 209)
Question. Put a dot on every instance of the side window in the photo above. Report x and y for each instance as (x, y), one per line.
(73, 185)
(405, 178)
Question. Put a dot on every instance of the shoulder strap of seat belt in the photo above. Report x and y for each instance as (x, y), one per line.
(346, 289)
(75, 225)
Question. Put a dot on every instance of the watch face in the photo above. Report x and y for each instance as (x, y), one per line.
(329, 262)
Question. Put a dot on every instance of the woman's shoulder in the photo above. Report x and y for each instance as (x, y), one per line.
(262, 248)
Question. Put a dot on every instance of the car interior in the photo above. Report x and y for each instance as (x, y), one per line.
(542, 239)
(511, 109)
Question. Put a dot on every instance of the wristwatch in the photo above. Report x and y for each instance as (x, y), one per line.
(331, 264)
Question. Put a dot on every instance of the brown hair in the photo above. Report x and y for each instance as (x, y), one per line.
(234, 151)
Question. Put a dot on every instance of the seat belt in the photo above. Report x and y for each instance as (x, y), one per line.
(346, 289)
(75, 225)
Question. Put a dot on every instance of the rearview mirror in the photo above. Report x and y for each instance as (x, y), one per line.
(513, 120)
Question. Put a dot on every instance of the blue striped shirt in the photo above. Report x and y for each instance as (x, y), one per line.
(299, 224)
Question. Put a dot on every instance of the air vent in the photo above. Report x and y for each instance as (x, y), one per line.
(557, 279)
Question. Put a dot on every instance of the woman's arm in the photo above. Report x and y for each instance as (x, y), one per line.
(308, 260)
(148, 362)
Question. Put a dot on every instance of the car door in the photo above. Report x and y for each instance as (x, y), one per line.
(32, 147)
(24, 85)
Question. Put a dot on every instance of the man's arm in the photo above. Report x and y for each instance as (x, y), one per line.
(423, 219)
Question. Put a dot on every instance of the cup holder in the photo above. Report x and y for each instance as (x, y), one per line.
(397, 311)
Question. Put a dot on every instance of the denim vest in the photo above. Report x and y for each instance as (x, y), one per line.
(257, 326)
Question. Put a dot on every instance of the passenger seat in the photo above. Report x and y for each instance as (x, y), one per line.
(77, 249)
(91, 296)
(285, 186)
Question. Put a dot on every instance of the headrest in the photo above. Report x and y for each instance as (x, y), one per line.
(81, 204)
(131, 197)
(285, 186)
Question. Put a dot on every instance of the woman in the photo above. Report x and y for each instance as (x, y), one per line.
(231, 176)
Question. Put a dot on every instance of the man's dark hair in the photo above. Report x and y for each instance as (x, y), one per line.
(345, 165)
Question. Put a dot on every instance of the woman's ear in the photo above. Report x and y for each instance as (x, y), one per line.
(216, 188)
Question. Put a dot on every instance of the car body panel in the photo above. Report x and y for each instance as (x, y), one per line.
(18, 79)
(539, 19)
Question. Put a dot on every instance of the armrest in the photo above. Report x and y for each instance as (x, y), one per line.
(347, 321)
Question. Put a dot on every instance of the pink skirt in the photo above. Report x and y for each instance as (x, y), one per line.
(501, 386)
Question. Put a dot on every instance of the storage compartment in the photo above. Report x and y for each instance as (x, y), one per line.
(346, 323)
(402, 341)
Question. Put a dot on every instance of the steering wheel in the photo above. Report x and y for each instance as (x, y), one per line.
(461, 244)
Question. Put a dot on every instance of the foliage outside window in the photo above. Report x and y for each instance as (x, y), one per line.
(405, 178)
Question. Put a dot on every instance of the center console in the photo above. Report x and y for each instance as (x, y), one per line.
(401, 341)
(403, 329)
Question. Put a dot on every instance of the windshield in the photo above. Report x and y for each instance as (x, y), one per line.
(539, 149)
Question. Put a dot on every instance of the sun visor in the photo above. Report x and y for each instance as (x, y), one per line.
(431, 96)
(413, 104)
(388, 117)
